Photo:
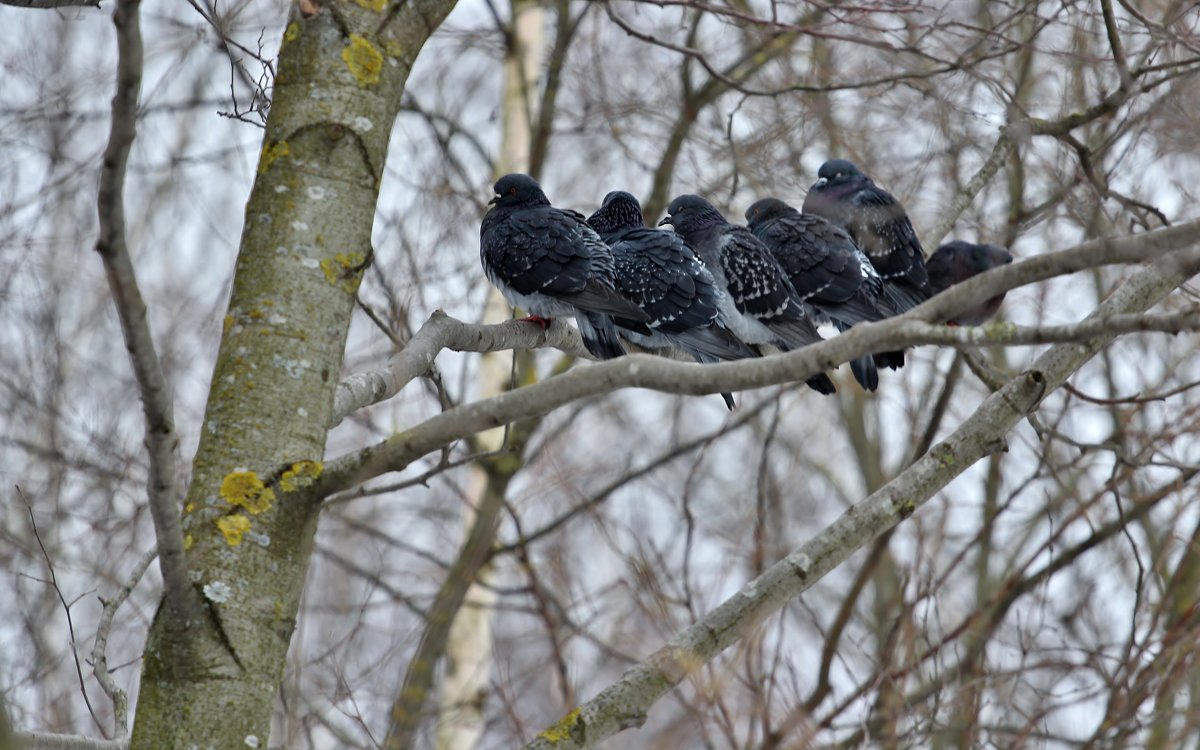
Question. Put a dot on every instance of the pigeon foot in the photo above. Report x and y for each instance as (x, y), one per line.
(543, 322)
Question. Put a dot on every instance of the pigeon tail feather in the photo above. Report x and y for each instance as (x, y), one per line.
(599, 335)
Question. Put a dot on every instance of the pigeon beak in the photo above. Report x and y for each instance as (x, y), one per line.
(665, 220)
(820, 183)
(494, 201)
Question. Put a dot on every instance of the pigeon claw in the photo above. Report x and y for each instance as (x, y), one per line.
(543, 322)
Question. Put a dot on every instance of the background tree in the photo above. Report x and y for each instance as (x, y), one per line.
(307, 574)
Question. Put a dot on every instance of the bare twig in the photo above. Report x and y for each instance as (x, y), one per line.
(53, 583)
(99, 649)
(48, 4)
(161, 440)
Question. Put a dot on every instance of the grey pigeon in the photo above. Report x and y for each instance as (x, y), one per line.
(549, 262)
(831, 275)
(656, 270)
(760, 304)
(880, 227)
(958, 261)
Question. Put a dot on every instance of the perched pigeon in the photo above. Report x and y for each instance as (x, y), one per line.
(958, 261)
(760, 304)
(656, 270)
(550, 263)
(878, 223)
(831, 275)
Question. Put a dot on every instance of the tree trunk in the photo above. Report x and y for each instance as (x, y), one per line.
(210, 676)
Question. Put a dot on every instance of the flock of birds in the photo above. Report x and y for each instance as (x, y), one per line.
(715, 290)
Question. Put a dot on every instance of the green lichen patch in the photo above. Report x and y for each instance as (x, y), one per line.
(233, 528)
(375, 5)
(245, 489)
(301, 474)
(292, 31)
(364, 60)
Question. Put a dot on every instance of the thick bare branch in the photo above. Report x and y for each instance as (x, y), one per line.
(625, 703)
(161, 439)
(443, 332)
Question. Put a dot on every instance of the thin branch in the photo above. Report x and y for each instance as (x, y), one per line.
(625, 703)
(50, 4)
(49, 741)
(53, 583)
(99, 649)
(161, 439)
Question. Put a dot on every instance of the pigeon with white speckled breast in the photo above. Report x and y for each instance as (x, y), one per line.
(551, 263)
(660, 273)
(833, 277)
(760, 304)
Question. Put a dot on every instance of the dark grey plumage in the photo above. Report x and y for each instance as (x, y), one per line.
(879, 225)
(831, 275)
(660, 273)
(550, 263)
(957, 261)
(760, 304)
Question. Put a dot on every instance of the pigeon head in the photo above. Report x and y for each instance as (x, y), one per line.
(837, 180)
(691, 213)
(957, 261)
(517, 190)
(839, 170)
(760, 212)
(620, 210)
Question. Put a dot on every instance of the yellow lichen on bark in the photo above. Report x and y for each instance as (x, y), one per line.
(233, 528)
(341, 270)
(363, 59)
(561, 729)
(375, 5)
(245, 489)
(302, 474)
(270, 153)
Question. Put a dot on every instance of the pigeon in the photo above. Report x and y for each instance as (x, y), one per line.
(958, 261)
(549, 262)
(831, 275)
(656, 270)
(760, 304)
(878, 224)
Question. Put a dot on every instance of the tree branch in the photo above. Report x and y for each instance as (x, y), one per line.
(49, 741)
(161, 440)
(51, 4)
(443, 332)
(625, 703)
(99, 649)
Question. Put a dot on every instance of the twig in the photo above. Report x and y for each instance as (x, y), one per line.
(99, 655)
(53, 583)
(161, 439)
(49, 4)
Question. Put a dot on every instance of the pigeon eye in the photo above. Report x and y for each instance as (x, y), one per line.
(512, 191)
